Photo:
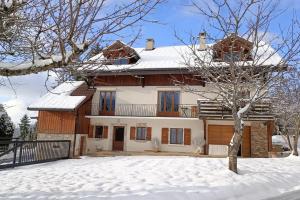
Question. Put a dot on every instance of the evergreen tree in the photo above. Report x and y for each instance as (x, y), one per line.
(25, 127)
(2, 111)
(6, 125)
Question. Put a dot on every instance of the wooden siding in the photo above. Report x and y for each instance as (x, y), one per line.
(147, 80)
(233, 44)
(83, 90)
(222, 134)
(56, 122)
(83, 123)
(246, 144)
(119, 50)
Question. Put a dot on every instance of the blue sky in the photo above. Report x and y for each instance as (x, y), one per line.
(173, 16)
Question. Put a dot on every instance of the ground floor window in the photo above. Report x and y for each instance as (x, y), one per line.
(176, 135)
(99, 132)
(141, 133)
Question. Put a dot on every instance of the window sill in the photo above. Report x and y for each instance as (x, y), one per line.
(142, 141)
(100, 138)
(179, 145)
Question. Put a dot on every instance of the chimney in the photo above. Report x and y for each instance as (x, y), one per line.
(149, 44)
(202, 42)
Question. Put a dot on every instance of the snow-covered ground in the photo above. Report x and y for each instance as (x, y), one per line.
(150, 177)
(282, 140)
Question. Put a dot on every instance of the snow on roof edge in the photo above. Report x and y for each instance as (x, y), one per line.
(59, 98)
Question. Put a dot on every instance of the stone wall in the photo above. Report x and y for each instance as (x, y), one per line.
(259, 139)
(51, 136)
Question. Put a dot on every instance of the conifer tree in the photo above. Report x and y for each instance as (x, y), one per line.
(25, 127)
(6, 125)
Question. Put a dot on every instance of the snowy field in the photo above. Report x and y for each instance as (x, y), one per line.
(150, 177)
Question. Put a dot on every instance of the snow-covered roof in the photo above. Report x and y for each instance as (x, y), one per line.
(173, 57)
(59, 98)
(159, 58)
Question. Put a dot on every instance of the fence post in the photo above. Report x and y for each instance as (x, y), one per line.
(15, 154)
(70, 148)
(20, 154)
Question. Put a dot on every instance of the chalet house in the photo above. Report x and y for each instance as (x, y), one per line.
(135, 105)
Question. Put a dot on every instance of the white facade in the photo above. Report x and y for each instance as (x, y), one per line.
(145, 95)
(96, 144)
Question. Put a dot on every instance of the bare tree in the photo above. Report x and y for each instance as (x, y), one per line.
(40, 35)
(286, 101)
(246, 59)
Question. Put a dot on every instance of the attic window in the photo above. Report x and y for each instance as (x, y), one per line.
(120, 61)
(232, 56)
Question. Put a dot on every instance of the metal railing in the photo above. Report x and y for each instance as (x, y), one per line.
(21, 153)
(149, 110)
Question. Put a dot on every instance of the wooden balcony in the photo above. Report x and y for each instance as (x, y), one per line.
(147, 110)
(216, 111)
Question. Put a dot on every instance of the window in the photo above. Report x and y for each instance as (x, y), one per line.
(245, 94)
(107, 101)
(232, 56)
(141, 133)
(176, 136)
(99, 132)
(168, 101)
(120, 61)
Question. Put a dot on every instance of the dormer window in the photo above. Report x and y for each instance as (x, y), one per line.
(120, 54)
(120, 61)
(232, 56)
(232, 49)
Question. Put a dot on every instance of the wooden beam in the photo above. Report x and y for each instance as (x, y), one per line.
(205, 132)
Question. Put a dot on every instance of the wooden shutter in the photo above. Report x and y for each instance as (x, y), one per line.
(187, 136)
(194, 111)
(149, 132)
(132, 133)
(91, 131)
(105, 131)
(164, 135)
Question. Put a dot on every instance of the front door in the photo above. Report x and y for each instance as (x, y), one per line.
(118, 140)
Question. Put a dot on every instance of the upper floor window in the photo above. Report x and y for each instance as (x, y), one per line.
(107, 102)
(168, 101)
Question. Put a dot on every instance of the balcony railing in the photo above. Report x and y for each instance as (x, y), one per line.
(146, 110)
(215, 110)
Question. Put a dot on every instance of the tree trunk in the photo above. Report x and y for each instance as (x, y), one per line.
(295, 144)
(235, 144)
(289, 141)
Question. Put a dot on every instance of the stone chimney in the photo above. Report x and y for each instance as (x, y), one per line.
(149, 44)
(202, 41)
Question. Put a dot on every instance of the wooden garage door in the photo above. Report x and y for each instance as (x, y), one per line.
(222, 134)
